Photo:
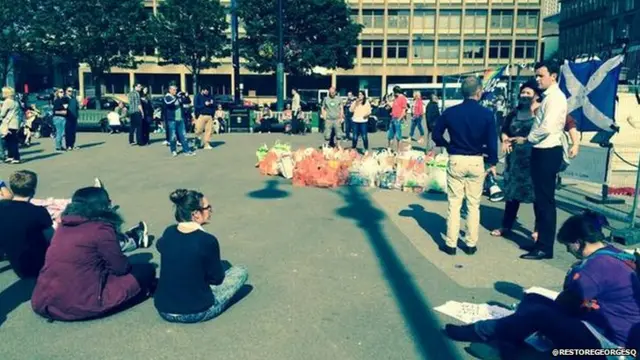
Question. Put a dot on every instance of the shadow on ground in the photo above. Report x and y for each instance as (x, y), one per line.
(433, 224)
(90, 145)
(40, 157)
(270, 191)
(422, 323)
(13, 296)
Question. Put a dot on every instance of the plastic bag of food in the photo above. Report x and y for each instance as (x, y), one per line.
(386, 180)
(285, 166)
(262, 152)
(269, 165)
(437, 174)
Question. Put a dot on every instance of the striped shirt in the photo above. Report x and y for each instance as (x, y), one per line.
(134, 102)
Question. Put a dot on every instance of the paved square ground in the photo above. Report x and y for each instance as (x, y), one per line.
(342, 274)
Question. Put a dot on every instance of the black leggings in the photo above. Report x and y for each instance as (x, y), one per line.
(538, 313)
(12, 142)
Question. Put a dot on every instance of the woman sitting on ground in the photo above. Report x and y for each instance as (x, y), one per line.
(85, 274)
(599, 306)
(193, 285)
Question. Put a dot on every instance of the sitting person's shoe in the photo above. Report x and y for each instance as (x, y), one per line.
(466, 333)
(536, 255)
(139, 234)
(98, 183)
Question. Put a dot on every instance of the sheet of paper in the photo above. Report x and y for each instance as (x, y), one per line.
(542, 291)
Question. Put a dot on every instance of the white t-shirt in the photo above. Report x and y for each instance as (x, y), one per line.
(113, 118)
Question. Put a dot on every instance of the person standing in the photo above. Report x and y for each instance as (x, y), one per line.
(398, 113)
(433, 113)
(546, 157)
(471, 127)
(204, 117)
(296, 107)
(136, 114)
(174, 115)
(147, 114)
(348, 123)
(417, 116)
(360, 110)
(71, 125)
(10, 125)
(59, 117)
(333, 115)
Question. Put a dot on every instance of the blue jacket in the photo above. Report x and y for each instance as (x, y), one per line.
(200, 107)
(173, 107)
(471, 127)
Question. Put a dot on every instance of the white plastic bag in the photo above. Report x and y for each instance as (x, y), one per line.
(437, 174)
(285, 166)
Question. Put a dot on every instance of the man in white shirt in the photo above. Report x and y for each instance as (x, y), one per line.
(546, 157)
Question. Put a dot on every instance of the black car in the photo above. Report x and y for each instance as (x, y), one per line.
(106, 103)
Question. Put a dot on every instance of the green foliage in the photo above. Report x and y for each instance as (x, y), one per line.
(16, 37)
(316, 33)
(191, 33)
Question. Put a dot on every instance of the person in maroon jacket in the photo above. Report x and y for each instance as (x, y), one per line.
(85, 274)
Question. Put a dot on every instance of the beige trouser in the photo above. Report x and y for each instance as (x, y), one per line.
(204, 126)
(465, 180)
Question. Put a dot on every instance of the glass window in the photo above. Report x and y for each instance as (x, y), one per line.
(355, 16)
(499, 49)
(424, 21)
(475, 21)
(397, 49)
(450, 21)
(373, 19)
(502, 21)
(398, 19)
(473, 49)
(372, 49)
(423, 49)
(527, 20)
(448, 51)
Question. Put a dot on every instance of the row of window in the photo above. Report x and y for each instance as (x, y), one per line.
(451, 2)
(451, 21)
(449, 50)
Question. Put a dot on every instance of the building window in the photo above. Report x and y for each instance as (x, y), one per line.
(475, 22)
(500, 50)
(501, 21)
(372, 49)
(373, 19)
(424, 21)
(473, 51)
(450, 2)
(525, 49)
(527, 21)
(398, 19)
(397, 49)
(477, 1)
(355, 16)
(419, 3)
(423, 50)
(448, 51)
(449, 22)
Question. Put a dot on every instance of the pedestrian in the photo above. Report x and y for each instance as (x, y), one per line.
(417, 116)
(360, 110)
(10, 125)
(60, 105)
(147, 114)
(398, 113)
(136, 114)
(348, 123)
(203, 106)
(433, 113)
(175, 118)
(546, 157)
(333, 115)
(297, 126)
(471, 127)
(71, 125)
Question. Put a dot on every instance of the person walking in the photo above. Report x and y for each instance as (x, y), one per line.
(10, 125)
(204, 117)
(361, 110)
(471, 127)
(417, 116)
(333, 115)
(398, 113)
(60, 105)
(546, 157)
(71, 125)
(136, 114)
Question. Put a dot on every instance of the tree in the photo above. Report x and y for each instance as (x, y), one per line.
(316, 33)
(15, 37)
(191, 33)
(103, 34)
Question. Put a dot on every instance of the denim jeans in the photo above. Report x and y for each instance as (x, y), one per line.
(59, 123)
(234, 278)
(360, 129)
(177, 130)
(395, 129)
(416, 122)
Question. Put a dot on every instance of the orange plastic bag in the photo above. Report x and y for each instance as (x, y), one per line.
(269, 165)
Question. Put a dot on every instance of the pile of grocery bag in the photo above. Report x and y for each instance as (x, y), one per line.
(407, 170)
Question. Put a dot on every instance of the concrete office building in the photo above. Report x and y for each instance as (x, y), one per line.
(591, 27)
(404, 41)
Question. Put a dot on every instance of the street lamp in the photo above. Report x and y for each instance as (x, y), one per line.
(280, 66)
(236, 52)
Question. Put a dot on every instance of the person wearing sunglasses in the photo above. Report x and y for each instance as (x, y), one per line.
(193, 285)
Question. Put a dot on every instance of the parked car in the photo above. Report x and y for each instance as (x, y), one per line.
(227, 102)
(106, 103)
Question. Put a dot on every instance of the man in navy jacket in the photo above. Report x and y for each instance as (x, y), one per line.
(471, 127)
(175, 118)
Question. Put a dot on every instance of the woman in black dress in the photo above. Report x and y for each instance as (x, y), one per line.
(147, 107)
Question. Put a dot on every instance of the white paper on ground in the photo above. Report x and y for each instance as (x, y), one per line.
(469, 313)
(542, 291)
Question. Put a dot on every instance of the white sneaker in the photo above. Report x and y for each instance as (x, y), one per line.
(98, 183)
(144, 242)
(174, 154)
(165, 143)
(193, 153)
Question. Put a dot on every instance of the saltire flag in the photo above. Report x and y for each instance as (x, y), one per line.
(491, 79)
(591, 89)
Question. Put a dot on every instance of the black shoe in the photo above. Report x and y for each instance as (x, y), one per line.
(447, 250)
(536, 255)
(139, 234)
(466, 333)
(469, 250)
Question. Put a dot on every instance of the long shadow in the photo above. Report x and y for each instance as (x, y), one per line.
(41, 157)
(271, 191)
(419, 318)
(433, 224)
(13, 296)
(215, 144)
(90, 145)
(510, 289)
(29, 152)
(434, 196)
(491, 219)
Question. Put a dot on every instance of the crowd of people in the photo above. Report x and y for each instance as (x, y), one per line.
(79, 261)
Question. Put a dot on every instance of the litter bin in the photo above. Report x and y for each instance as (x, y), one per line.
(239, 120)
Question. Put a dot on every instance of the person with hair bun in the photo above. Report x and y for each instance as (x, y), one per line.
(193, 284)
(85, 274)
(599, 306)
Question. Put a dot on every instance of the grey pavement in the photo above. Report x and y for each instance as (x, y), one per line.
(341, 274)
